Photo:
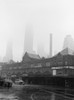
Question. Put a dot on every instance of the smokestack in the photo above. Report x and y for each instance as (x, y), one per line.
(51, 45)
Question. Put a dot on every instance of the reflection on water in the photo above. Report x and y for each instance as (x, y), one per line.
(29, 94)
(8, 97)
(53, 96)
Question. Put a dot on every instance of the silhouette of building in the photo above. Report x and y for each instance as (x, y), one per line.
(28, 42)
(9, 53)
(61, 64)
(68, 42)
(30, 57)
(67, 51)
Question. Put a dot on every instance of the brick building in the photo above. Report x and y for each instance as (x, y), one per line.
(61, 64)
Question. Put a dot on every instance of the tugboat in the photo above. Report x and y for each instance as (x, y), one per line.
(19, 81)
(18, 84)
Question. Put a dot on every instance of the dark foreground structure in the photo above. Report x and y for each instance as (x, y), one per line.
(54, 81)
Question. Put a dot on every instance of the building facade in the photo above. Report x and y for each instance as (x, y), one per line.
(58, 65)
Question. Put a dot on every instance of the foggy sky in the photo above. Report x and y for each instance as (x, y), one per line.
(9, 52)
(46, 16)
(28, 39)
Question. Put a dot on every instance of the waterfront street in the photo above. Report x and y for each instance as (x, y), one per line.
(31, 93)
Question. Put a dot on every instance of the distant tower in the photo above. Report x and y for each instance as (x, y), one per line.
(68, 42)
(50, 45)
(28, 42)
(9, 53)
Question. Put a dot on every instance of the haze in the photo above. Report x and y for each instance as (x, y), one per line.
(46, 16)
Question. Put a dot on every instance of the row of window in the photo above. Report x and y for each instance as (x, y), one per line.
(17, 67)
(40, 65)
(25, 66)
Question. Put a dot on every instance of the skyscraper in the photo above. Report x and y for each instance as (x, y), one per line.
(28, 42)
(9, 52)
(50, 49)
(68, 42)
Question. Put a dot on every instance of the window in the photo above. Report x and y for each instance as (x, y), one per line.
(66, 62)
(60, 63)
(47, 63)
(20, 67)
(32, 65)
(39, 65)
(15, 67)
(10, 68)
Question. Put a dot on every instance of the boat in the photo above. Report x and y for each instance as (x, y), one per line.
(18, 84)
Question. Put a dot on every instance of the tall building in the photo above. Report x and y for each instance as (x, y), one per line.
(50, 49)
(9, 52)
(28, 42)
(68, 42)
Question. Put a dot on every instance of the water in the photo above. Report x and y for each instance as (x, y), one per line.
(30, 93)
